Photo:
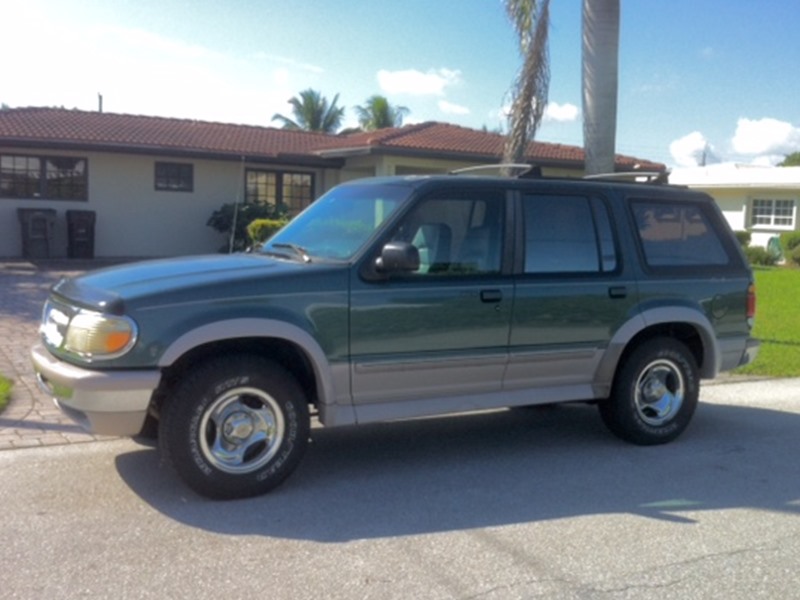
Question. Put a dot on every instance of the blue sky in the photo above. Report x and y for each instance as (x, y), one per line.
(718, 76)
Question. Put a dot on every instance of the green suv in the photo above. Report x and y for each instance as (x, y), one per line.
(401, 297)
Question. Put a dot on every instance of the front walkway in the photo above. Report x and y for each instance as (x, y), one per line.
(31, 418)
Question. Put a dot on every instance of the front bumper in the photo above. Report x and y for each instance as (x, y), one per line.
(103, 402)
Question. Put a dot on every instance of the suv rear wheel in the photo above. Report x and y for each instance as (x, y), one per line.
(654, 395)
(235, 427)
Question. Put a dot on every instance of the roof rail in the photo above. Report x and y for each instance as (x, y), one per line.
(520, 170)
(634, 176)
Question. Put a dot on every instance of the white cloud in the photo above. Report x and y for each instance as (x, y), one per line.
(452, 109)
(288, 61)
(765, 137)
(707, 53)
(692, 150)
(417, 83)
(561, 113)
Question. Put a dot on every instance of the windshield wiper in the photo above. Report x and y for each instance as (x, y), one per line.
(298, 250)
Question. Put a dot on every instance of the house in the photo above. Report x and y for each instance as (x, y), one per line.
(141, 186)
(762, 200)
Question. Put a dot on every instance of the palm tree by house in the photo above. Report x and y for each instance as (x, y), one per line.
(600, 67)
(600, 25)
(531, 20)
(312, 112)
(377, 113)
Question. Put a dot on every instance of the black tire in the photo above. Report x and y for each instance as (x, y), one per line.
(235, 427)
(654, 394)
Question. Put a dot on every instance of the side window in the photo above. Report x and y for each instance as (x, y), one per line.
(174, 177)
(567, 234)
(458, 235)
(674, 234)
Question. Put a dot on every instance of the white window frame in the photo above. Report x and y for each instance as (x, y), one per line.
(776, 208)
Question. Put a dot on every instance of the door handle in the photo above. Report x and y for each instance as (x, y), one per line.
(491, 296)
(619, 291)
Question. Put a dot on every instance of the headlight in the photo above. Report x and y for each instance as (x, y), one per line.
(94, 335)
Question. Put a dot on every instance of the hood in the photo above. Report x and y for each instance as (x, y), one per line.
(175, 280)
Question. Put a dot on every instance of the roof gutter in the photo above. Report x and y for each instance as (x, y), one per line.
(306, 160)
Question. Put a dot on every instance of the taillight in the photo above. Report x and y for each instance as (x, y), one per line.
(751, 304)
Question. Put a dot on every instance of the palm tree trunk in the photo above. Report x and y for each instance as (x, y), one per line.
(600, 66)
(532, 21)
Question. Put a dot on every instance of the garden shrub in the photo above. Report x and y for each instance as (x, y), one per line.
(794, 255)
(222, 220)
(790, 244)
(260, 230)
(757, 255)
(789, 241)
(743, 237)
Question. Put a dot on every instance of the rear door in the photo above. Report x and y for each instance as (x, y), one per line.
(572, 294)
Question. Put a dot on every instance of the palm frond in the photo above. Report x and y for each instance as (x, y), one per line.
(530, 91)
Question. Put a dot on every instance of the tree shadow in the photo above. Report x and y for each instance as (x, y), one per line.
(24, 285)
(24, 289)
(495, 469)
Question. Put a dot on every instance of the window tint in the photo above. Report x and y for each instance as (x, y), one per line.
(338, 224)
(677, 235)
(456, 235)
(567, 234)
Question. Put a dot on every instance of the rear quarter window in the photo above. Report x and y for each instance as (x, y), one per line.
(678, 234)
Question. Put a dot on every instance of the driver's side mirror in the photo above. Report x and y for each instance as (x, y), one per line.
(398, 257)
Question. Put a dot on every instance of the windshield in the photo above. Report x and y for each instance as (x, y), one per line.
(339, 223)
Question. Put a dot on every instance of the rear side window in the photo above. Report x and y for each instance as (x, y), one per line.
(567, 234)
(677, 234)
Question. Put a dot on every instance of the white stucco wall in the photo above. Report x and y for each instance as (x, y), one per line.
(132, 218)
(734, 187)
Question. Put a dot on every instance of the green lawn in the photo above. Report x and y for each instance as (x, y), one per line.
(5, 392)
(777, 323)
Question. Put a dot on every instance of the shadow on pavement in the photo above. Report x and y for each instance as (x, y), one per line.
(497, 469)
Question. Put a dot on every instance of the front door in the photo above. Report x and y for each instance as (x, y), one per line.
(442, 331)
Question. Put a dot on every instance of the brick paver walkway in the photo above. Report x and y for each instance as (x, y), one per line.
(31, 418)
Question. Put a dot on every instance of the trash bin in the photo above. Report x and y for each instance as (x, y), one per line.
(37, 231)
(80, 233)
(774, 248)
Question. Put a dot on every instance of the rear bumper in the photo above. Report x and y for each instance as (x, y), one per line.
(750, 351)
(738, 352)
(103, 402)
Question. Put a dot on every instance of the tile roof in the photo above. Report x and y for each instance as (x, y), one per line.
(120, 132)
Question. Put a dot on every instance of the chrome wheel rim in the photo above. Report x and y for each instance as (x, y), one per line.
(242, 430)
(660, 391)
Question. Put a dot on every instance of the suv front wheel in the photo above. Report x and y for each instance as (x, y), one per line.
(654, 395)
(236, 426)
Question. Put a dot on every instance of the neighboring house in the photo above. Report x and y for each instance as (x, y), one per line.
(762, 200)
(151, 183)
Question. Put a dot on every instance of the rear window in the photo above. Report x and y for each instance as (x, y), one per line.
(567, 235)
(677, 234)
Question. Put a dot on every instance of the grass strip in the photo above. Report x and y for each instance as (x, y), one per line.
(5, 392)
(777, 323)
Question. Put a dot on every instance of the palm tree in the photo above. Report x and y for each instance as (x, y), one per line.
(600, 54)
(531, 20)
(377, 113)
(313, 113)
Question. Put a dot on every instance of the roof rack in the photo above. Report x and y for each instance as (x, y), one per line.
(634, 176)
(519, 170)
